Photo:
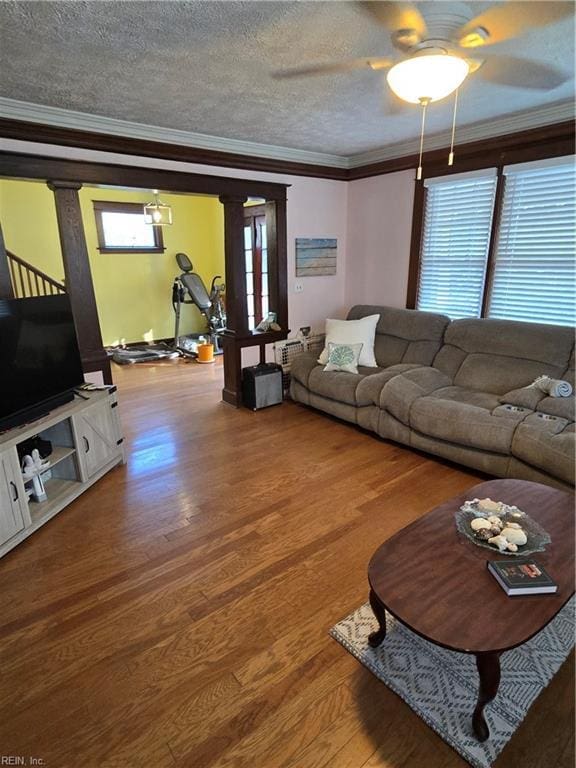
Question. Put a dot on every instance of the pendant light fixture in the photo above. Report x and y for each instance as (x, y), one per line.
(158, 214)
(429, 76)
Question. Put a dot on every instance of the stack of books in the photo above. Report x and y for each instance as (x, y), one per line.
(522, 577)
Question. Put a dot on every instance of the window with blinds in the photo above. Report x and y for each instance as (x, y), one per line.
(455, 240)
(534, 259)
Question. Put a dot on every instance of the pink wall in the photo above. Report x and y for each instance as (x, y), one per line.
(379, 230)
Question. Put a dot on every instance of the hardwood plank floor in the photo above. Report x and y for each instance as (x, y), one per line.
(177, 613)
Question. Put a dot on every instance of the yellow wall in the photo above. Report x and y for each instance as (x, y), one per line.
(28, 218)
(133, 291)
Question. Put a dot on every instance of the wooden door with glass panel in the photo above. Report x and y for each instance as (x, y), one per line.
(256, 261)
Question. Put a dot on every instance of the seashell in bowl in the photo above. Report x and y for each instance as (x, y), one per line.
(515, 536)
(489, 506)
(479, 523)
(500, 542)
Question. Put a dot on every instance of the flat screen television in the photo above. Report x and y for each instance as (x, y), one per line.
(39, 357)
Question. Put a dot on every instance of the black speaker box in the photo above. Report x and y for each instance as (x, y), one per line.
(262, 385)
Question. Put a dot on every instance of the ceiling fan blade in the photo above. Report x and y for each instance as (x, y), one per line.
(510, 19)
(522, 73)
(395, 16)
(333, 67)
(474, 64)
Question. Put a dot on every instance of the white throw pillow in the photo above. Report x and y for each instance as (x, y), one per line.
(343, 357)
(360, 331)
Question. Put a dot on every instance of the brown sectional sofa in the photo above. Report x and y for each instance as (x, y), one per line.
(457, 389)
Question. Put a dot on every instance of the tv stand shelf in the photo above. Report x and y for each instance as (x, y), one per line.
(87, 442)
(59, 453)
(59, 492)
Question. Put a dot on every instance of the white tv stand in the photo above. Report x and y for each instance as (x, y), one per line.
(87, 442)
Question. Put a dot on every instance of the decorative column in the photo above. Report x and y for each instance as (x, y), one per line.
(6, 290)
(277, 260)
(78, 277)
(237, 312)
(236, 301)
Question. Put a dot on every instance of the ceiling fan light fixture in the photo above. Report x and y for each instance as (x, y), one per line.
(429, 77)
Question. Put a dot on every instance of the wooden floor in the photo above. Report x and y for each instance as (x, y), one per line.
(177, 613)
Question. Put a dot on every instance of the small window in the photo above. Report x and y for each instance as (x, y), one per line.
(121, 228)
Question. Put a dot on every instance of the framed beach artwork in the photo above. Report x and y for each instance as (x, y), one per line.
(315, 256)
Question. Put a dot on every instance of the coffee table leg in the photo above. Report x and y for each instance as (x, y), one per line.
(488, 665)
(377, 637)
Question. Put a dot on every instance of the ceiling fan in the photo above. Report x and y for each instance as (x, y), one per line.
(433, 67)
(435, 64)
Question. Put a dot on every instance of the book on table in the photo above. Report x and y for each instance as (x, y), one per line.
(522, 577)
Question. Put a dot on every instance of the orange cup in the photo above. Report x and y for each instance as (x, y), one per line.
(205, 353)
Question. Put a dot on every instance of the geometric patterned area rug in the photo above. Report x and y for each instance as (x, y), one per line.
(442, 686)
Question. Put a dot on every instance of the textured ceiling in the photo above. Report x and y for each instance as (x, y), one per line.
(205, 67)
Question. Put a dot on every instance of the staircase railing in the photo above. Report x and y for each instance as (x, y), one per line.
(28, 280)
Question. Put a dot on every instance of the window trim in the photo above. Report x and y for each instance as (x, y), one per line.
(104, 206)
(489, 157)
(495, 229)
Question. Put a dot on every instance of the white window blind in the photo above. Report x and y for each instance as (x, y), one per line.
(455, 239)
(534, 268)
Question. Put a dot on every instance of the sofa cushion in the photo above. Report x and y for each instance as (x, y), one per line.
(501, 355)
(343, 357)
(335, 385)
(404, 335)
(362, 389)
(466, 417)
(361, 331)
(547, 444)
(400, 392)
(370, 388)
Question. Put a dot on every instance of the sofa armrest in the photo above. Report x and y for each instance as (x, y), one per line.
(562, 407)
(302, 366)
(525, 397)
(400, 392)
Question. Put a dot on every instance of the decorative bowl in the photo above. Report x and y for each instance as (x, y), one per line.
(537, 537)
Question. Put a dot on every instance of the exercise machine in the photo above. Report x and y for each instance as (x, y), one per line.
(189, 288)
(142, 353)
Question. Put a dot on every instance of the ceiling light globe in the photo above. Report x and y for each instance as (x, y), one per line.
(427, 77)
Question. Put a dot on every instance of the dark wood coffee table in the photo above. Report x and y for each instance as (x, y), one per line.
(435, 581)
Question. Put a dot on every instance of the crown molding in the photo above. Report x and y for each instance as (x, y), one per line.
(11, 109)
(519, 121)
(54, 126)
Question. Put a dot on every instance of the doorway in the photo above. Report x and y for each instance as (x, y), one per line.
(68, 177)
